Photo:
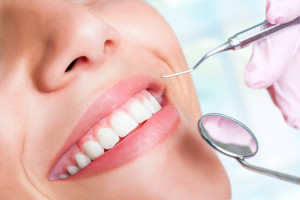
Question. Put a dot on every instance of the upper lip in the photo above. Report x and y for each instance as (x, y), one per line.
(106, 102)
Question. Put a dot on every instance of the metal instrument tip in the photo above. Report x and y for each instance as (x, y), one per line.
(224, 47)
(179, 73)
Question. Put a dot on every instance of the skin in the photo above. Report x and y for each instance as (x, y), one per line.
(41, 103)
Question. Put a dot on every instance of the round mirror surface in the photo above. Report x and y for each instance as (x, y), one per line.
(228, 135)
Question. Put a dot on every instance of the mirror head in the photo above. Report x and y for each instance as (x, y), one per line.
(228, 136)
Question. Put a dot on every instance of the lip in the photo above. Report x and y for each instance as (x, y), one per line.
(108, 101)
(153, 132)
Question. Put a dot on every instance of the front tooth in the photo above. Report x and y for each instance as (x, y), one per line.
(138, 111)
(82, 160)
(72, 169)
(123, 123)
(107, 138)
(151, 103)
(92, 149)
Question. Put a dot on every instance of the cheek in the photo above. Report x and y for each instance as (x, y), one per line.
(146, 27)
(155, 35)
(150, 32)
(12, 137)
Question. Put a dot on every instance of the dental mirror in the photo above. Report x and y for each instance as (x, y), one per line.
(234, 139)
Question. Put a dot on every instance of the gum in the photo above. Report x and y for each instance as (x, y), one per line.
(69, 157)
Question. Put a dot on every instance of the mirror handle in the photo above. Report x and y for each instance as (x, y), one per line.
(268, 172)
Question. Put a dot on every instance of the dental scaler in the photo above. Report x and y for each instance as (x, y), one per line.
(243, 39)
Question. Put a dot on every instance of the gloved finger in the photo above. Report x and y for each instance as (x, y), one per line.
(285, 93)
(282, 11)
(270, 57)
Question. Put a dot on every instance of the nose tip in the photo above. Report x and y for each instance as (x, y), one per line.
(85, 38)
(92, 38)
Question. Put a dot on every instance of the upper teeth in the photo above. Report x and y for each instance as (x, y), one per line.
(107, 138)
(105, 134)
(82, 160)
(92, 149)
(123, 123)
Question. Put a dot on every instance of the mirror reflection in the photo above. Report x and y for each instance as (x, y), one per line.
(228, 136)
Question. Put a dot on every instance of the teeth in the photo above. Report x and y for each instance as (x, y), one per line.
(107, 138)
(138, 111)
(92, 149)
(82, 160)
(72, 169)
(151, 103)
(106, 133)
(64, 176)
(122, 123)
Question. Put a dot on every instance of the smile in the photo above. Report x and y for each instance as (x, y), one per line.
(134, 127)
(108, 131)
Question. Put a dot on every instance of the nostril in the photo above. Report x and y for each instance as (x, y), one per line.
(78, 60)
(109, 46)
(71, 65)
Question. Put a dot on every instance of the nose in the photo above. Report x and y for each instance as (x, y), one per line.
(72, 39)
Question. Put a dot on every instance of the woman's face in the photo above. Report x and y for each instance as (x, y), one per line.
(80, 81)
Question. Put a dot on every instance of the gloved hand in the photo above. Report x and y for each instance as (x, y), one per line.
(275, 62)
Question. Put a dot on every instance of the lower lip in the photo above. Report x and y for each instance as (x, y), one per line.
(159, 127)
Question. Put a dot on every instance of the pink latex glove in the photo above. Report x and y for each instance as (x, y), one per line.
(275, 62)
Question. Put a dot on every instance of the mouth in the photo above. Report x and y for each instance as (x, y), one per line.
(124, 132)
